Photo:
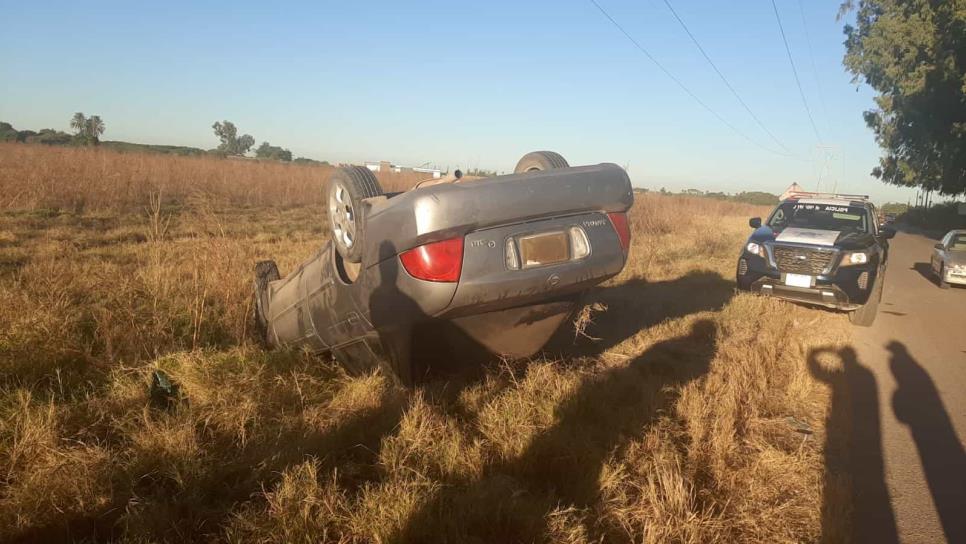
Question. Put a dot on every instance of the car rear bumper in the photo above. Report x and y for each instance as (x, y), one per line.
(956, 279)
(487, 284)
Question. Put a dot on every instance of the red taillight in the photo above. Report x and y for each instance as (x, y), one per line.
(619, 220)
(438, 261)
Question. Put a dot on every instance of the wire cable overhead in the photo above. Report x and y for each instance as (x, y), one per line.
(680, 84)
(724, 79)
(811, 58)
(798, 82)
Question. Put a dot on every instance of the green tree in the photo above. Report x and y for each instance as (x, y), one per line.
(269, 151)
(8, 133)
(231, 142)
(87, 130)
(894, 208)
(78, 123)
(913, 54)
(49, 136)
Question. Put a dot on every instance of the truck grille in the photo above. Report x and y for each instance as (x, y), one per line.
(802, 260)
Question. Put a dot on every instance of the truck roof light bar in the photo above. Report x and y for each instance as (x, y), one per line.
(806, 194)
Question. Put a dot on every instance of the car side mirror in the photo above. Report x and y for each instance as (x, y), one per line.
(754, 222)
(888, 233)
(939, 246)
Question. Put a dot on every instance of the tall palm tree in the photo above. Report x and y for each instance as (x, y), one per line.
(94, 127)
(79, 123)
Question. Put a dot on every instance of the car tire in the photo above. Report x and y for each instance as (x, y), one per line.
(346, 190)
(866, 314)
(265, 273)
(540, 160)
(943, 284)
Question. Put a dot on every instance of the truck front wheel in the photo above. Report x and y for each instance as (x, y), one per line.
(865, 315)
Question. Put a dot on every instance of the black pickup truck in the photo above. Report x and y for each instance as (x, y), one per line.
(821, 249)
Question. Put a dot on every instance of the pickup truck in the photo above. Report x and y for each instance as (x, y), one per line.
(819, 249)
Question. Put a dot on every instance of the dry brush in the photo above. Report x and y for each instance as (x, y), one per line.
(668, 420)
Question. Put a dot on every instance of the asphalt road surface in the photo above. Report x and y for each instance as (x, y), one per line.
(908, 407)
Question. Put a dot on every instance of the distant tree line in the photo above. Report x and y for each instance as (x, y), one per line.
(87, 130)
(234, 145)
(758, 198)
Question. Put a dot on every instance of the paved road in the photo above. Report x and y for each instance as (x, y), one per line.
(910, 473)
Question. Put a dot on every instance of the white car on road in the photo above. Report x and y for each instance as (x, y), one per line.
(949, 259)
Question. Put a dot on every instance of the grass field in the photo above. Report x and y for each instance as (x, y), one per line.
(675, 414)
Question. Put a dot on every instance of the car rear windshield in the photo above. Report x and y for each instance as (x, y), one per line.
(842, 218)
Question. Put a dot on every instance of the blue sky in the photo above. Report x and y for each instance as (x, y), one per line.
(457, 83)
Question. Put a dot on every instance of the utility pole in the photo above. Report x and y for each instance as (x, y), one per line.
(829, 174)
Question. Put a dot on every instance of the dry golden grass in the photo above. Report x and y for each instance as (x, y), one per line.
(78, 179)
(668, 420)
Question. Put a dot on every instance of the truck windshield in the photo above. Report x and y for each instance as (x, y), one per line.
(842, 218)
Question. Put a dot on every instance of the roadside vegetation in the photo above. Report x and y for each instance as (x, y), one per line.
(673, 410)
(939, 218)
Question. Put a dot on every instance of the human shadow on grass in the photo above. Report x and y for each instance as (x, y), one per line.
(918, 405)
(561, 467)
(856, 505)
(632, 306)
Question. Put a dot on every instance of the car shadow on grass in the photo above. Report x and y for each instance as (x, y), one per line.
(624, 310)
(561, 467)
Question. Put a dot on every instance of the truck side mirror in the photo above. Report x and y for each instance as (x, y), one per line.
(888, 233)
(754, 222)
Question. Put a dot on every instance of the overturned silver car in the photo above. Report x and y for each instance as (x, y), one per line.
(419, 279)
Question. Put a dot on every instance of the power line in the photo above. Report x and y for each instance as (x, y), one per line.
(794, 71)
(724, 79)
(678, 81)
(811, 58)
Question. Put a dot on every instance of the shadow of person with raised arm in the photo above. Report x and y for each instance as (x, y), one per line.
(917, 404)
(854, 492)
(562, 466)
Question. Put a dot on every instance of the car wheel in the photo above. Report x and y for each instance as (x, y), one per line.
(540, 160)
(348, 187)
(265, 273)
(943, 284)
(865, 315)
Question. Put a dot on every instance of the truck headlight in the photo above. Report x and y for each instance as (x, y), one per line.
(755, 249)
(855, 257)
